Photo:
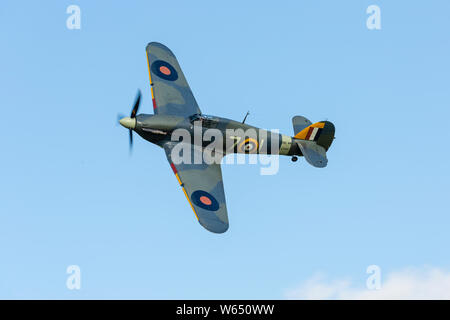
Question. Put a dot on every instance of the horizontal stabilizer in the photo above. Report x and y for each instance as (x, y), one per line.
(299, 123)
(313, 153)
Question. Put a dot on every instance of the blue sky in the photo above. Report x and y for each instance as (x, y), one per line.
(72, 195)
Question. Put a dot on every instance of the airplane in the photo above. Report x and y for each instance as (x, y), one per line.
(175, 108)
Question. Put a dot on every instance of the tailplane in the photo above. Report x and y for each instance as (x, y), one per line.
(299, 123)
(313, 153)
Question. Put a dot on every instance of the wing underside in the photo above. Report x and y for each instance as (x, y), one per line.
(203, 187)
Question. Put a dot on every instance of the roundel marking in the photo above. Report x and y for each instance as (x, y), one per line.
(249, 145)
(164, 70)
(205, 200)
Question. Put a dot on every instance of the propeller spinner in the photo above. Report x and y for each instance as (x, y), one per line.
(130, 122)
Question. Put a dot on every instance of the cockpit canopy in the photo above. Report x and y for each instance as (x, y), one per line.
(205, 120)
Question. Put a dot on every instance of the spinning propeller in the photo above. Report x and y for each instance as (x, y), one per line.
(130, 122)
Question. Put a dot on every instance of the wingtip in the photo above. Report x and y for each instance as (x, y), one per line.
(216, 227)
(159, 45)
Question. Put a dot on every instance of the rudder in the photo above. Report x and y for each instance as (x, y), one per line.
(321, 132)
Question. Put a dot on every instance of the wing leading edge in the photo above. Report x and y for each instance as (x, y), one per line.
(202, 185)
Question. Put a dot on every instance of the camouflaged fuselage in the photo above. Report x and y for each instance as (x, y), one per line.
(237, 137)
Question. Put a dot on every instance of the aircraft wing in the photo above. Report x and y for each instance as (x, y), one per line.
(171, 94)
(203, 187)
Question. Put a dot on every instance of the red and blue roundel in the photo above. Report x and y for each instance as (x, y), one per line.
(249, 145)
(205, 200)
(164, 70)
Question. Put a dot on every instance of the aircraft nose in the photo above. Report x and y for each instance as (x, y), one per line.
(127, 122)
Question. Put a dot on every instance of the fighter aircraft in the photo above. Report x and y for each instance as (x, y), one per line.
(175, 108)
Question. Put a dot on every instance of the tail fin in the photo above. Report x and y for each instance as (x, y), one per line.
(320, 132)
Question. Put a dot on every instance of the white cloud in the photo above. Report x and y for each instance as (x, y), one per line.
(409, 283)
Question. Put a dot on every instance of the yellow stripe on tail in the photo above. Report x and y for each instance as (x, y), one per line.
(321, 133)
(311, 132)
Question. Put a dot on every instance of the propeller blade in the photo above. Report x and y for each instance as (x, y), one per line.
(136, 104)
(126, 121)
(131, 140)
